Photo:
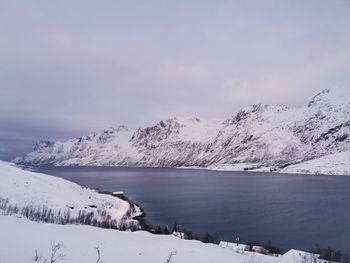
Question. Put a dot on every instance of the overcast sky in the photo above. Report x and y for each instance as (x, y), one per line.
(68, 68)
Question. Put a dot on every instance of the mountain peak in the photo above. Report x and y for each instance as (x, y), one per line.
(254, 111)
(116, 128)
(43, 144)
(335, 95)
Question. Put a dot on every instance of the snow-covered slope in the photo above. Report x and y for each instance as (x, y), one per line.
(175, 142)
(32, 192)
(257, 137)
(338, 163)
(324, 126)
(95, 149)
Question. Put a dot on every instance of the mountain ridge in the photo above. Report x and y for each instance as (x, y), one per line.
(260, 136)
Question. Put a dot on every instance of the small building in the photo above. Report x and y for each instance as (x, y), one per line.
(260, 249)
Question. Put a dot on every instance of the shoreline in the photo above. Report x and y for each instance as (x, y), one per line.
(139, 214)
(140, 218)
(247, 170)
(250, 244)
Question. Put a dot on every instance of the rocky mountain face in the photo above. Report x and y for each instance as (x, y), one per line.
(257, 137)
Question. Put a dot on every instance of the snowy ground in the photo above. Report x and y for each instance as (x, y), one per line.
(21, 238)
(333, 164)
(239, 167)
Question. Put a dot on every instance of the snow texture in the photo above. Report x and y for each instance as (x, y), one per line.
(338, 163)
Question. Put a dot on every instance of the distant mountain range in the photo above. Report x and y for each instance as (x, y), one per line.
(310, 139)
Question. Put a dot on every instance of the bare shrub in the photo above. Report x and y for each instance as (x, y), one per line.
(98, 250)
(171, 255)
(37, 257)
(100, 218)
(55, 254)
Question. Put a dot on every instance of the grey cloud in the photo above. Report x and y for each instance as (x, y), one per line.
(69, 68)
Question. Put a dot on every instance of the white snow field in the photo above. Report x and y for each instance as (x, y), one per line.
(21, 239)
(338, 163)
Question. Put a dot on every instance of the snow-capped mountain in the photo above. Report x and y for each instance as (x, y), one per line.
(174, 142)
(109, 145)
(257, 137)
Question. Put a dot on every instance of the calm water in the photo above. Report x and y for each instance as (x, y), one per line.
(293, 211)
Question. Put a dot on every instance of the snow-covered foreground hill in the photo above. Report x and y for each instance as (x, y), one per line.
(23, 240)
(46, 198)
(268, 137)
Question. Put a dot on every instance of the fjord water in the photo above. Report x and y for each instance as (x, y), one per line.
(293, 211)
